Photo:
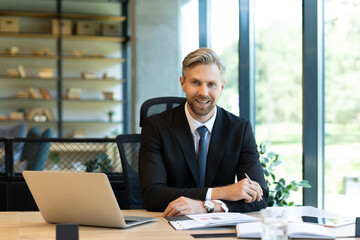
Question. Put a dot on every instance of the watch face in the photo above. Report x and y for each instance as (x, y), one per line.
(209, 205)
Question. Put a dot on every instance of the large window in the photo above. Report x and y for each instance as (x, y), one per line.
(342, 108)
(278, 83)
(189, 27)
(224, 38)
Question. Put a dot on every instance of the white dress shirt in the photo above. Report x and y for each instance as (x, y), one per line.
(194, 125)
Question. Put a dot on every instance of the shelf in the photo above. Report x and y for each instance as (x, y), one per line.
(29, 35)
(94, 80)
(26, 121)
(29, 14)
(95, 38)
(6, 78)
(97, 59)
(65, 15)
(93, 101)
(29, 56)
(27, 99)
(89, 121)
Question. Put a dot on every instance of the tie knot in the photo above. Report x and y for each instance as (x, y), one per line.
(202, 131)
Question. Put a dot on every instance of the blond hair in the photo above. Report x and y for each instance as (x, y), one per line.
(202, 56)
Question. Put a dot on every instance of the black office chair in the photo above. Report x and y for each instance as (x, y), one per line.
(158, 105)
(128, 145)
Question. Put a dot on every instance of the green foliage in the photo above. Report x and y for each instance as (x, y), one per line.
(55, 157)
(101, 163)
(279, 191)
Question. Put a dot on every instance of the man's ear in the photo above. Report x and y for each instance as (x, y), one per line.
(182, 82)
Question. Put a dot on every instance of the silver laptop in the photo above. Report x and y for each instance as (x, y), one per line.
(82, 198)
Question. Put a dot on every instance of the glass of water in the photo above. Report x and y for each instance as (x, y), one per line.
(273, 224)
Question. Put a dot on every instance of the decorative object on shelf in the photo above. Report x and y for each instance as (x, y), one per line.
(43, 52)
(46, 73)
(79, 53)
(110, 115)
(98, 55)
(87, 75)
(9, 24)
(279, 191)
(85, 28)
(65, 26)
(108, 95)
(40, 115)
(12, 51)
(101, 163)
(21, 70)
(105, 76)
(13, 72)
(73, 93)
(111, 29)
(16, 116)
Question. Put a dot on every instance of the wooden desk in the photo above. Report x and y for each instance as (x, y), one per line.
(31, 225)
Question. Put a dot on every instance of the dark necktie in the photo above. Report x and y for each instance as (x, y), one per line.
(202, 152)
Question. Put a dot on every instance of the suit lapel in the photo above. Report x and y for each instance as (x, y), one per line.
(183, 134)
(217, 146)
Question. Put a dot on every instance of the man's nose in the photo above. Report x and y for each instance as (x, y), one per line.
(203, 90)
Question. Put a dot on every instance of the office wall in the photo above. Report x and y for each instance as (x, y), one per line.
(157, 51)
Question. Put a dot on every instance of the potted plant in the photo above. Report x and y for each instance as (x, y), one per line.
(101, 163)
(110, 115)
(279, 191)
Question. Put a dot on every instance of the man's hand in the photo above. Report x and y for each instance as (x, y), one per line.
(249, 191)
(184, 206)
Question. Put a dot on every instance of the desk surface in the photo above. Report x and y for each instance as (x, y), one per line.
(31, 225)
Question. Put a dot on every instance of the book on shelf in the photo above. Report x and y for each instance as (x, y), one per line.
(21, 70)
(294, 230)
(13, 72)
(34, 93)
(22, 94)
(73, 93)
(46, 73)
(45, 93)
(16, 116)
(49, 114)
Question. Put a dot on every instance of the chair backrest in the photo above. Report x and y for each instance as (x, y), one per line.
(158, 105)
(128, 145)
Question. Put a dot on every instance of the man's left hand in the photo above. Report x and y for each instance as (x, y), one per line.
(184, 206)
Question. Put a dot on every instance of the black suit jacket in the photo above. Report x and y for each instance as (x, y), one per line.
(168, 166)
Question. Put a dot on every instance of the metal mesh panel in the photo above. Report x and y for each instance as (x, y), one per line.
(2, 157)
(69, 156)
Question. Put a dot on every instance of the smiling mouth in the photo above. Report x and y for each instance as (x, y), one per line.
(202, 101)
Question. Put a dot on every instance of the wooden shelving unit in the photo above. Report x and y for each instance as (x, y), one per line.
(109, 52)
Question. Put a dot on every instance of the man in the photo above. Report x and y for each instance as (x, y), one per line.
(186, 170)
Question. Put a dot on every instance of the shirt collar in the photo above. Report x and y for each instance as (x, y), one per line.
(194, 124)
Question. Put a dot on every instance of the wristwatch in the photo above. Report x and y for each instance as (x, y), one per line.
(209, 205)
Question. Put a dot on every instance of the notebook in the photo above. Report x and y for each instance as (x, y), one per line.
(77, 197)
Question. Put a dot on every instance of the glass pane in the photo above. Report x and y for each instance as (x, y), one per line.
(224, 38)
(278, 84)
(189, 26)
(342, 109)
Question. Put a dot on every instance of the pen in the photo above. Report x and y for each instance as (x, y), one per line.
(248, 178)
